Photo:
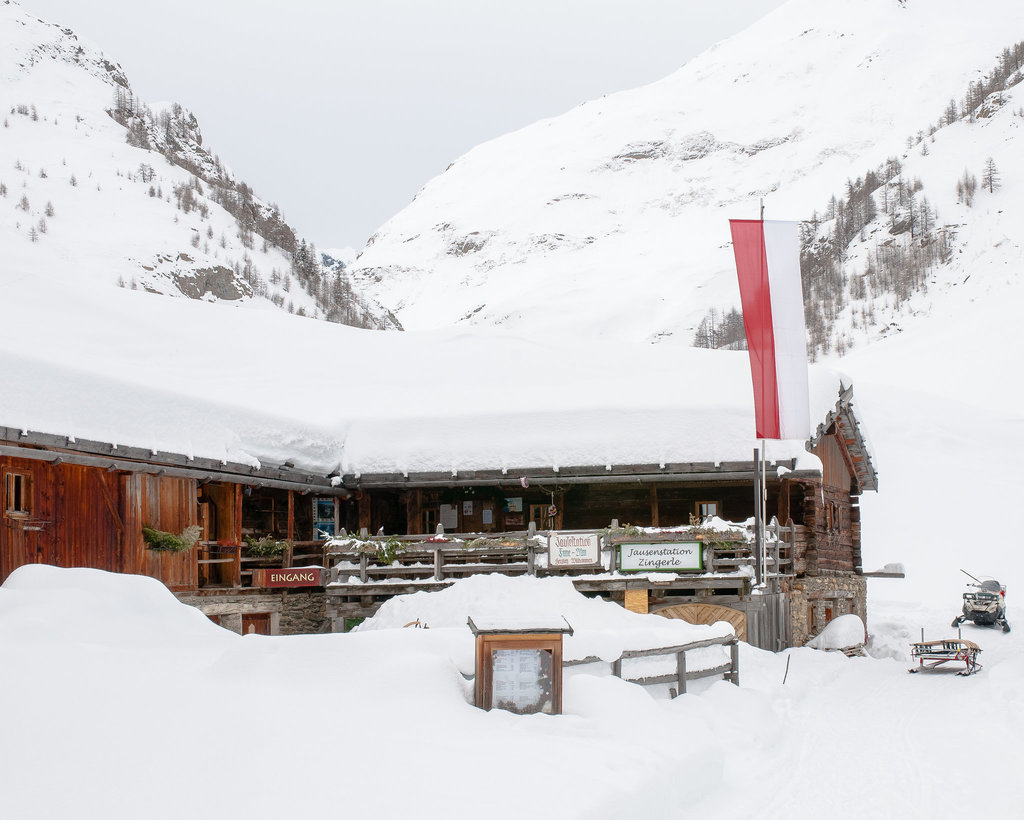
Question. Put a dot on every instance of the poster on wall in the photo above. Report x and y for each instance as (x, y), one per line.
(323, 518)
(450, 517)
(574, 550)
(662, 556)
(467, 507)
(323, 509)
(514, 505)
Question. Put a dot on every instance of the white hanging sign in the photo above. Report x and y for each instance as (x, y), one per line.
(574, 550)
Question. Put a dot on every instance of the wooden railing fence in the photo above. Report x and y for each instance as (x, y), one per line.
(445, 557)
(449, 556)
(240, 565)
(730, 670)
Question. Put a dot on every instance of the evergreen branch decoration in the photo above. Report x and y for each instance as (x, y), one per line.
(265, 545)
(169, 542)
(387, 551)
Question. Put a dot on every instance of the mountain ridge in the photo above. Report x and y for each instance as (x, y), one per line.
(178, 221)
(627, 197)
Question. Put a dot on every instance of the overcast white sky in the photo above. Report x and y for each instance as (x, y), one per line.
(340, 111)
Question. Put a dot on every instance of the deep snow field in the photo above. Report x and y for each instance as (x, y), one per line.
(125, 703)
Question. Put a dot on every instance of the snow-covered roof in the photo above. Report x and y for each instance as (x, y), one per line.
(207, 381)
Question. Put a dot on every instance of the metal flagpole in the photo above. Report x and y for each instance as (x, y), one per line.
(758, 531)
(759, 507)
(764, 515)
(763, 501)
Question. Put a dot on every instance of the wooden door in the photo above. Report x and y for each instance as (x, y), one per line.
(471, 515)
(256, 623)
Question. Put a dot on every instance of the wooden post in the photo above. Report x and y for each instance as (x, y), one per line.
(438, 564)
(734, 662)
(636, 600)
(654, 506)
(531, 558)
(289, 552)
(365, 521)
(758, 518)
(236, 569)
(414, 512)
(617, 668)
(362, 567)
(236, 535)
(681, 671)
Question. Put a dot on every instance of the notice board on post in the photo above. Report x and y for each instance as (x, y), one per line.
(519, 665)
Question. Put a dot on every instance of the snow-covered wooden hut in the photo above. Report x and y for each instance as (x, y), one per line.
(399, 433)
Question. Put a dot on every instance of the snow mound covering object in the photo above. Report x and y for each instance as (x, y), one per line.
(600, 628)
(41, 603)
(840, 633)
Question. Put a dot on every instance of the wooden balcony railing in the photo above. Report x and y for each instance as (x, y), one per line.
(442, 558)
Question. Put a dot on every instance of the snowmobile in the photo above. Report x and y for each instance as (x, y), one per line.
(985, 606)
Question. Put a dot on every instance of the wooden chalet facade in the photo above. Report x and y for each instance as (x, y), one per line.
(818, 510)
(78, 503)
(75, 503)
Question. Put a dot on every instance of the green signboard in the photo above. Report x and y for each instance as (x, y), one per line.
(662, 556)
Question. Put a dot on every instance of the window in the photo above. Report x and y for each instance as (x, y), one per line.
(539, 515)
(18, 494)
(706, 509)
(821, 614)
(833, 516)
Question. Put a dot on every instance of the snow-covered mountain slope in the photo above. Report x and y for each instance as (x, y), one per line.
(612, 219)
(945, 225)
(99, 188)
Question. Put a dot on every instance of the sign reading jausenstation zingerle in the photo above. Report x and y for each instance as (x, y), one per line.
(661, 556)
(574, 549)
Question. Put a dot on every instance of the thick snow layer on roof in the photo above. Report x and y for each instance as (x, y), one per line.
(85, 359)
(205, 380)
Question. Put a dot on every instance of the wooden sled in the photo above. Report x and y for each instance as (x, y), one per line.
(932, 654)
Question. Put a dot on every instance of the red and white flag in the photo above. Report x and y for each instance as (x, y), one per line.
(768, 266)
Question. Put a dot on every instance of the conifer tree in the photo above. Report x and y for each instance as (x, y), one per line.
(990, 176)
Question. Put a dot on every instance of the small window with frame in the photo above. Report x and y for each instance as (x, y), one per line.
(18, 494)
(707, 509)
(833, 517)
